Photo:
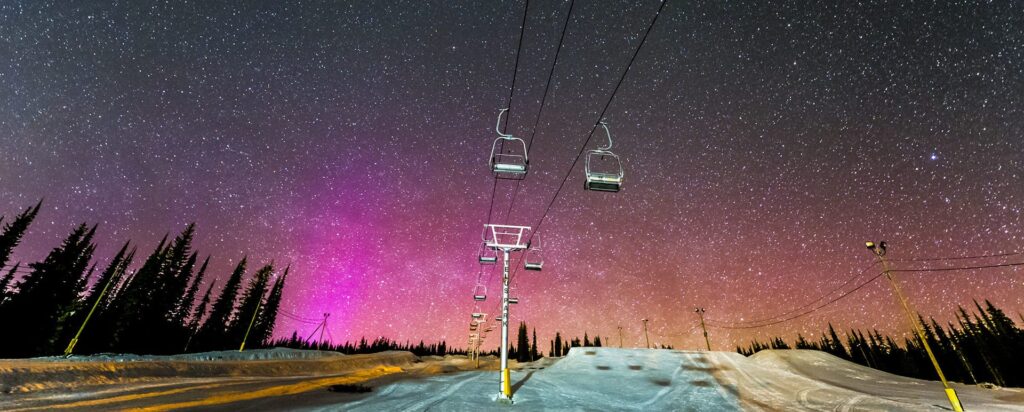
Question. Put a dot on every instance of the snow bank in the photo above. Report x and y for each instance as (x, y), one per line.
(253, 354)
(57, 373)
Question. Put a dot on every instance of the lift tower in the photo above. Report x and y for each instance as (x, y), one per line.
(507, 239)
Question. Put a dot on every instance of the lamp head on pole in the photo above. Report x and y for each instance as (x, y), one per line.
(877, 248)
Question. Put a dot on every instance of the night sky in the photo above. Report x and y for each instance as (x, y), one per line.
(762, 144)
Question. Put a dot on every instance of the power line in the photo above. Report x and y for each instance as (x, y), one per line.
(865, 284)
(297, 317)
(957, 257)
(543, 99)
(600, 117)
(829, 293)
(948, 269)
(817, 308)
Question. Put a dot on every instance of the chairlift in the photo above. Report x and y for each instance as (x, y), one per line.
(511, 165)
(534, 255)
(603, 168)
(480, 293)
(513, 301)
(488, 257)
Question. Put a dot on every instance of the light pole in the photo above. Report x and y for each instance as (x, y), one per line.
(620, 337)
(700, 312)
(646, 338)
(879, 251)
(74, 341)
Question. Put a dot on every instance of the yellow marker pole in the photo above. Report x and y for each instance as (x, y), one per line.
(879, 251)
(74, 341)
(254, 313)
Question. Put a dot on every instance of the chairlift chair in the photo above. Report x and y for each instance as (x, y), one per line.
(488, 257)
(480, 293)
(605, 173)
(534, 256)
(511, 165)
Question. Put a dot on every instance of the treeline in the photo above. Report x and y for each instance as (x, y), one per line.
(150, 310)
(560, 347)
(982, 346)
(363, 346)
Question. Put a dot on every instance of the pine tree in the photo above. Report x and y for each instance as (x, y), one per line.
(213, 333)
(251, 302)
(197, 315)
(133, 299)
(185, 305)
(47, 294)
(586, 339)
(558, 345)
(6, 281)
(13, 231)
(534, 354)
(836, 346)
(98, 296)
(523, 344)
(264, 327)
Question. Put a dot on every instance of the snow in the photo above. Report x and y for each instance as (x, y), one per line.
(586, 379)
(636, 379)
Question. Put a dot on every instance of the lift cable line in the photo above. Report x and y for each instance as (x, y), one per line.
(808, 304)
(508, 106)
(593, 129)
(543, 100)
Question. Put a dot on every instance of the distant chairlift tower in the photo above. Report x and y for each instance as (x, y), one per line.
(507, 239)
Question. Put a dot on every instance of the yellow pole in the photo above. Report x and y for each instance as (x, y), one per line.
(258, 306)
(700, 312)
(954, 401)
(74, 341)
(506, 387)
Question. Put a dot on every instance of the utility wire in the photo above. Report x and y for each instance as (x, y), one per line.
(840, 297)
(297, 317)
(948, 269)
(830, 293)
(600, 117)
(957, 257)
(802, 314)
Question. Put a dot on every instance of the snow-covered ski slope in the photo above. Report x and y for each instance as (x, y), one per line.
(666, 380)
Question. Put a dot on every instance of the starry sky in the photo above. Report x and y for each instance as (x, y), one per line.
(763, 143)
